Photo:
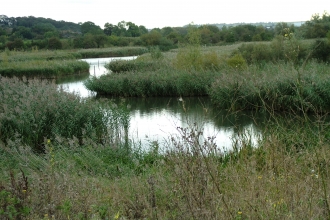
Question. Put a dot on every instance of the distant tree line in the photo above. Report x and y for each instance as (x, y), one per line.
(27, 32)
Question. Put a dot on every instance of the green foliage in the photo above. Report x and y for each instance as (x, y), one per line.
(189, 58)
(155, 53)
(152, 38)
(17, 44)
(54, 44)
(317, 27)
(118, 66)
(237, 62)
(163, 82)
(321, 51)
(275, 88)
(43, 68)
(90, 28)
(35, 110)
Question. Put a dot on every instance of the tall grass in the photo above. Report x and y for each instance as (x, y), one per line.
(14, 56)
(33, 111)
(43, 68)
(277, 87)
(147, 84)
(286, 177)
(18, 56)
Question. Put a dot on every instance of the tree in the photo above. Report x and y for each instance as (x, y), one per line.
(100, 40)
(17, 44)
(23, 32)
(165, 31)
(151, 39)
(175, 37)
(279, 28)
(2, 31)
(143, 30)
(41, 28)
(133, 30)
(54, 43)
(108, 29)
(91, 28)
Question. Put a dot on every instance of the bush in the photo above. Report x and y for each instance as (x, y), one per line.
(237, 62)
(155, 53)
(54, 44)
(17, 44)
(321, 50)
(189, 58)
(256, 52)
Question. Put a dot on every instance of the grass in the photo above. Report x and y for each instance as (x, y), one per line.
(54, 64)
(15, 56)
(43, 68)
(82, 175)
(152, 84)
(279, 87)
(285, 178)
(34, 110)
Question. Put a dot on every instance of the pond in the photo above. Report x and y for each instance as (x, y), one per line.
(156, 120)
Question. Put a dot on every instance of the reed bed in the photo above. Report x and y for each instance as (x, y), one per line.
(19, 56)
(34, 110)
(278, 87)
(148, 84)
(43, 68)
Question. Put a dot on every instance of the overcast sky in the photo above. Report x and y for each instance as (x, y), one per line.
(171, 13)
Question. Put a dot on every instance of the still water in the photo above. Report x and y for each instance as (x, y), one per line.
(158, 119)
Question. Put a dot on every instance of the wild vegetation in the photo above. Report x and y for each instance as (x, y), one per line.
(65, 157)
(54, 64)
(24, 33)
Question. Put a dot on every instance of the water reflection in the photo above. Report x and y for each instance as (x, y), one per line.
(158, 119)
(75, 83)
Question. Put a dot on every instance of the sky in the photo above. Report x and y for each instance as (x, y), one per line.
(172, 13)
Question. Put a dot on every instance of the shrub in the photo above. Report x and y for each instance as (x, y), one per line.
(321, 50)
(256, 52)
(155, 53)
(237, 62)
(189, 58)
(54, 44)
(211, 61)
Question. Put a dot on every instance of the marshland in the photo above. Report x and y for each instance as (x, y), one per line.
(66, 156)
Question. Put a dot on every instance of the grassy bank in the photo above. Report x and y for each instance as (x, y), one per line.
(14, 56)
(64, 157)
(51, 64)
(279, 87)
(286, 177)
(43, 68)
(34, 110)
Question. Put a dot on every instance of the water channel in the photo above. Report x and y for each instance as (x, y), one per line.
(158, 119)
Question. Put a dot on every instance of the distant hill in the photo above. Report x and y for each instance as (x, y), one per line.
(39, 25)
(264, 24)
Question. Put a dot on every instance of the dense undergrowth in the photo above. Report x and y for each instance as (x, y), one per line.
(35, 110)
(63, 157)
